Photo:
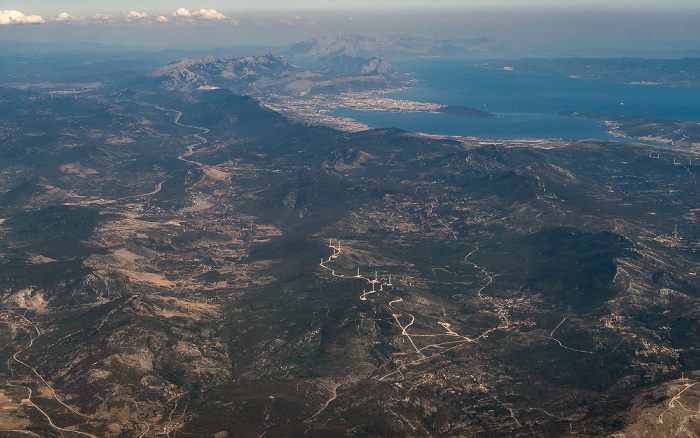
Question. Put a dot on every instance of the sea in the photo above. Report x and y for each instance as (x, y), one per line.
(528, 105)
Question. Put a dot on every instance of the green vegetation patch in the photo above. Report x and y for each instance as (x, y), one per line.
(57, 231)
(567, 266)
(574, 267)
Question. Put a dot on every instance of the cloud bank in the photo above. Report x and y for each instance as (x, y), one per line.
(14, 16)
(133, 17)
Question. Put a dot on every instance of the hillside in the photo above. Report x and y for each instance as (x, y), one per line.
(196, 264)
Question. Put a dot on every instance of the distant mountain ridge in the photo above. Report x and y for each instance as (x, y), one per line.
(393, 46)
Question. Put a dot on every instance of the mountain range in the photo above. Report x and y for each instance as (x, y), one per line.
(392, 47)
(271, 73)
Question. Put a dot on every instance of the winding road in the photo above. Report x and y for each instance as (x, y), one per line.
(405, 322)
(172, 426)
(53, 392)
(198, 136)
(442, 347)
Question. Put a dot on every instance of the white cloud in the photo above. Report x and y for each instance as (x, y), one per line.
(209, 14)
(203, 14)
(182, 12)
(65, 16)
(13, 16)
(134, 17)
(135, 14)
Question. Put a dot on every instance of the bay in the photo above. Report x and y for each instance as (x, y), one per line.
(528, 105)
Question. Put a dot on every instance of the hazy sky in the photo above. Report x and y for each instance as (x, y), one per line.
(530, 27)
(41, 7)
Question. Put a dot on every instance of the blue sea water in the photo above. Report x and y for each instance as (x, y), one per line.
(528, 105)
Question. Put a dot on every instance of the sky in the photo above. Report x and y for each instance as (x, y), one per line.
(162, 7)
(530, 27)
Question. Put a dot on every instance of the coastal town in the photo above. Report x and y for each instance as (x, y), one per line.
(317, 109)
